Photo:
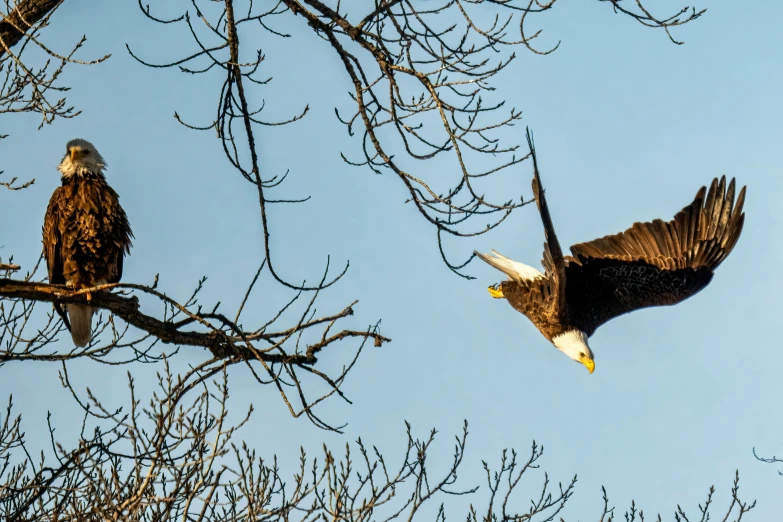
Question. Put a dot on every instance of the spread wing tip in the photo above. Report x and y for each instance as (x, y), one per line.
(701, 235)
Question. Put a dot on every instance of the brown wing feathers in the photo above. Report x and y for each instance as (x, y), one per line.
(51, 239)
(701, 235)
(553, 254)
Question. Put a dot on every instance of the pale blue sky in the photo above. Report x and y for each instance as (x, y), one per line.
(628, 126)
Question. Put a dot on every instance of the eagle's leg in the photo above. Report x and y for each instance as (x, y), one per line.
(496, 292)
(88, 295)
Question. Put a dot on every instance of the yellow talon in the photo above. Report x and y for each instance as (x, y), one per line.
(89, 297)
(497, 293)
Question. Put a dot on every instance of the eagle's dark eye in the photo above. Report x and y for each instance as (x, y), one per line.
(85, 152)
(582, 355)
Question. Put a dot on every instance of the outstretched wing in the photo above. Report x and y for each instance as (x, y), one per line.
(657, 263)
(52, 246)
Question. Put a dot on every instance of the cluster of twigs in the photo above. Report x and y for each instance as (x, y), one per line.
(12, 184)
(25, 88)
(642, 15)
(431, 85)
(176, 459)
(417, 84)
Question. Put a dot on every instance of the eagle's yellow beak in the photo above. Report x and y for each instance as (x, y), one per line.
(497, 293)
(589, 363)
(74, 153)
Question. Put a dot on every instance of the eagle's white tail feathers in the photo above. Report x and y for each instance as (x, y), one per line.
(80, 317)
(513, 269)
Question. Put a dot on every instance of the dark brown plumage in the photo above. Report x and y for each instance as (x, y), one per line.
(86, 233)
(650, 264)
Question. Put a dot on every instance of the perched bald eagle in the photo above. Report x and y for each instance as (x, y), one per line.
(86, 233)
(650, 264)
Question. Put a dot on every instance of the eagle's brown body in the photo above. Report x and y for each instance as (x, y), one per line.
(650, 264)
(86, 233)
(85, 236)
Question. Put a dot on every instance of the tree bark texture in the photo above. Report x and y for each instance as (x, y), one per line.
(25, 14)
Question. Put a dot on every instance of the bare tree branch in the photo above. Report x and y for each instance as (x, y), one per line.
(769, 460)
(647, 19)
(429, 83)
(10, 184)
(21, 17)
(224, 338)
(26, 87)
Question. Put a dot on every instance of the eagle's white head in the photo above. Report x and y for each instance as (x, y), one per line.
(81, 157)
(573, 343)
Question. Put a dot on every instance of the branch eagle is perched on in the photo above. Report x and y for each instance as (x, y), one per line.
(86, 233)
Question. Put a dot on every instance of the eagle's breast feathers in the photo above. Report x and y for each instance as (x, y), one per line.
(537, 300)
(86, 232)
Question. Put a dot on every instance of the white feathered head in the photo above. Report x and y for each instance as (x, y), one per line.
(81, 157)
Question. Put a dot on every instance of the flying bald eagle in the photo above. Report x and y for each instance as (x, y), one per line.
(650, 264)
(86, 233)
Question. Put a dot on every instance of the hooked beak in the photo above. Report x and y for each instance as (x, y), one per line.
(589, 363)
(74, 154)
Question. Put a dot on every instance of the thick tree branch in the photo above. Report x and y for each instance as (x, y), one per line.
(218, 340)
(22, 17)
